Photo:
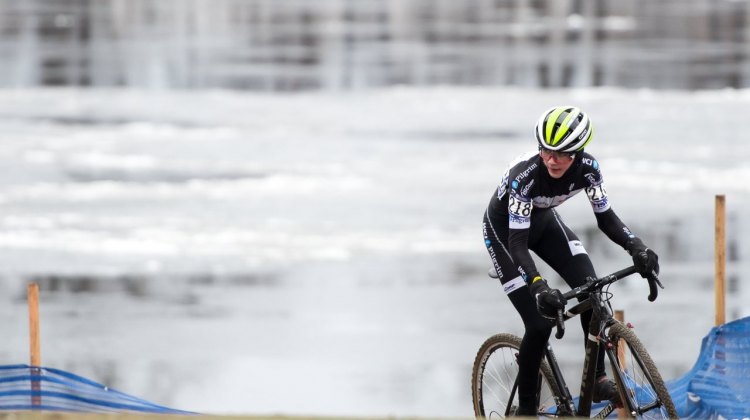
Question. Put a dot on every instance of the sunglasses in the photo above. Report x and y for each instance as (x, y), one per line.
(546, 154)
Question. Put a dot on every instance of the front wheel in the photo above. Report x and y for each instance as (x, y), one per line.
(646, 396)
(494, 389)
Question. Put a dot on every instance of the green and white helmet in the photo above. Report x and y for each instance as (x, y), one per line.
(564, 129)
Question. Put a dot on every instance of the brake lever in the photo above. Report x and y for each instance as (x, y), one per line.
(656, 279)
(653, 281)
(560, 321)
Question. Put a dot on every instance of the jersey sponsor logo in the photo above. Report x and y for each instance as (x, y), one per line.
(503, 185)
(576, 247)
(591, 178)
(518, 222)
(525, 172)
(493, 257)
(600, 206)
(518, 160)
(490, 249)
(526, 188)
(591, 162)
(486, 235)
(514, 285)
(501, 192)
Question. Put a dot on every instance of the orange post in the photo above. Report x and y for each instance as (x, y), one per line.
(34, 343)
(720, 259)
(620, 316)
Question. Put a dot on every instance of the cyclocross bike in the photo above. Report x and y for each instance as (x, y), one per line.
(642, 390)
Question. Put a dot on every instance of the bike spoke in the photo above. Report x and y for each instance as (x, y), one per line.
(497, 372)
(499, 378)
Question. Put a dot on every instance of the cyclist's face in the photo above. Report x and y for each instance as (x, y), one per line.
(556, 162)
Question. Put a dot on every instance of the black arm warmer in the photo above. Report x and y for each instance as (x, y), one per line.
(518, 244)
(613, 227)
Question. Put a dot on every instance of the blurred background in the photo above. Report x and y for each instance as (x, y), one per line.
(271, 45)
(274, 206)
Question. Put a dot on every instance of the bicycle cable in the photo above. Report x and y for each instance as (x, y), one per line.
(606, 298)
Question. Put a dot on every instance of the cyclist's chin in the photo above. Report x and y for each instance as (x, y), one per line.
(556, 173)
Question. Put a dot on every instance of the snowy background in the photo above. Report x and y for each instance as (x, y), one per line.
(321, 253)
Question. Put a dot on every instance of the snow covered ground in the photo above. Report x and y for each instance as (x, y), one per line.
(321, 253)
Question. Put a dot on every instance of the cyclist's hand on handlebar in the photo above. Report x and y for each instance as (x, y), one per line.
(645, 260)
(548, 301)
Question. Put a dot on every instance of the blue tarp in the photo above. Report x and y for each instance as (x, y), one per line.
(23, 387)
(718, 385)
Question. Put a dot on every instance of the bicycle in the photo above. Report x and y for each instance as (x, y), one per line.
(641, 388)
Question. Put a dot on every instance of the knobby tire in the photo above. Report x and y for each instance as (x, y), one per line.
(503, 382)
(640, 367)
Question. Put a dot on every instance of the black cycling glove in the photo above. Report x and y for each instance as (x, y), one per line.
(548, 301)
(645, 260)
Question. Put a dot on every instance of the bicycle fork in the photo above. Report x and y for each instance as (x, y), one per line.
(565, 405)
(594, 341)
(589, 373)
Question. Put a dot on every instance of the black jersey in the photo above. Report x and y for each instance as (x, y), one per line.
(527, 187)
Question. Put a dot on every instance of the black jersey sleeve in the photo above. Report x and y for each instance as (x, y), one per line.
(518, 240)
(520, 206)
(613, 227)
(606, 218)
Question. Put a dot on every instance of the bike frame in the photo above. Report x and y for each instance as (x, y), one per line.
(601, 319)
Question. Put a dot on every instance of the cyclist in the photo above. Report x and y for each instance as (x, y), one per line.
(521, 217)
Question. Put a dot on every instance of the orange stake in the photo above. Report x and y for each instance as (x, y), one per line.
(620, 316)
(720, 266)
(34, 343)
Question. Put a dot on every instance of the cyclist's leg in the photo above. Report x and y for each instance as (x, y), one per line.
(561, 249)
(537, 329)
